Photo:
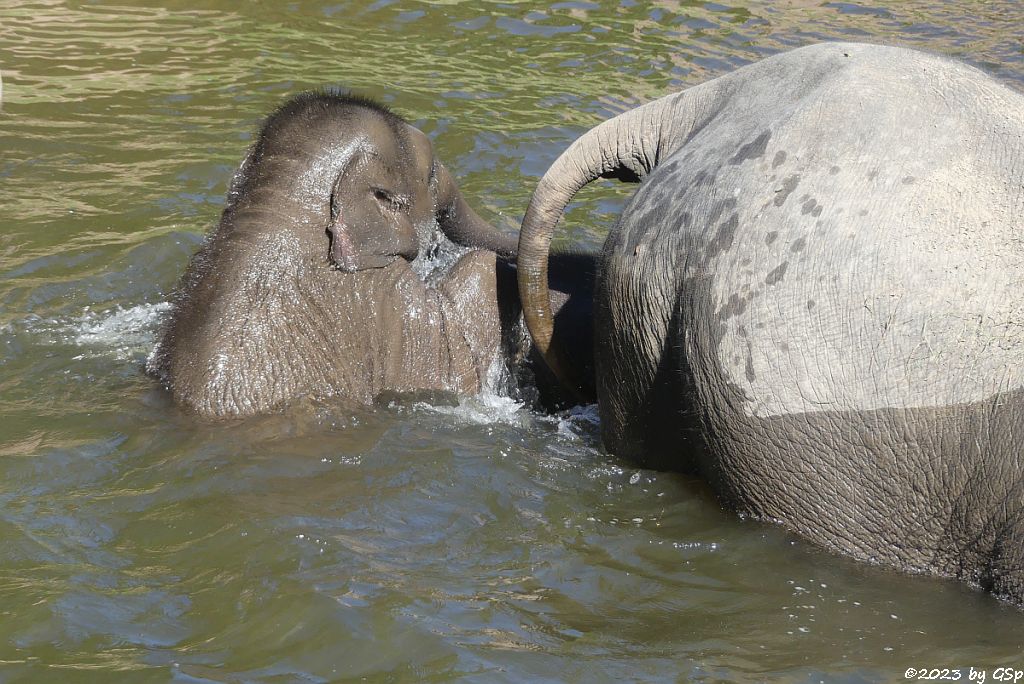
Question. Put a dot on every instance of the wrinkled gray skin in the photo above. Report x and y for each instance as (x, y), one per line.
(330, 273)
(814, 299)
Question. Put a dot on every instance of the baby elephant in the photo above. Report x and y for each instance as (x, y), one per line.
(336, 271)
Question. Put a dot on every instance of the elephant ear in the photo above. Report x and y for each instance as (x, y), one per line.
(369, 225)
(344, 255)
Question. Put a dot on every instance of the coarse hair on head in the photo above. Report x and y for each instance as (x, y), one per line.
(312, 105)
(298, 128)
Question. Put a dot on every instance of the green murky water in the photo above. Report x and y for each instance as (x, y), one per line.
(478, 543)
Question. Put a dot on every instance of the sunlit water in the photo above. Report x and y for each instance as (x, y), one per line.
(405, 542)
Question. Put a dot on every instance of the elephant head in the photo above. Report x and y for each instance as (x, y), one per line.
(335, 270)
(369, 178)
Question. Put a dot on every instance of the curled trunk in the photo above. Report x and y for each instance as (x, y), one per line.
(628, 148)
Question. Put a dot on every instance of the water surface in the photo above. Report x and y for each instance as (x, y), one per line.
(407, 543)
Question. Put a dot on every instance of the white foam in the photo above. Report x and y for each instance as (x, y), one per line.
(492, 404)
(118, 332)
(486, 409)
(437, 255)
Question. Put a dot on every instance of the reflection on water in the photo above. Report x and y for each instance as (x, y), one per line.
(405, 542)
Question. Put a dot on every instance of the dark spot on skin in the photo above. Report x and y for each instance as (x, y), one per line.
(817, 211)
(780, 159)
(752, 150)
(723, 238)
(863, 212)
(777, 273)
(873, 174)
(770, 237)
(721, 207)
(783, 347)
(703, 179)
(808, 206)
(909, 180)
(798, 245)
(684, 220)
(749, 368)
(833, 171)
(734, 307)
(788, 186)
(745, 262)
(811, 304)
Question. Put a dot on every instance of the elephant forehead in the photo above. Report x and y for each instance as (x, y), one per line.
(421, 154)
(826, 268)
(316, 177)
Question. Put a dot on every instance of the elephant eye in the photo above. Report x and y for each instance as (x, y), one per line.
(389, 199)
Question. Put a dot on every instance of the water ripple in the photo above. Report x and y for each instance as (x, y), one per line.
(477, 541)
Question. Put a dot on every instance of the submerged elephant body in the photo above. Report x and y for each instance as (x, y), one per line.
(346, 264)
(304, 330)
(814, 300)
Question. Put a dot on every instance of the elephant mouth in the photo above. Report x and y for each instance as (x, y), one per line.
(365, 263)
(344, 256)
(429, 267)
(437, 260)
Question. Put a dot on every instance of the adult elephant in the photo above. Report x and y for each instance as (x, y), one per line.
(815, 299)
(346, 264)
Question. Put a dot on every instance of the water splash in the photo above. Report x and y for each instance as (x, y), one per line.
(492, 404)
(437, 255)
(125, 334)
(496, 404)
(580, 422)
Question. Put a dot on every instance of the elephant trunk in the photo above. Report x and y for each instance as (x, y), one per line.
(464, 226)
(627, 147)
